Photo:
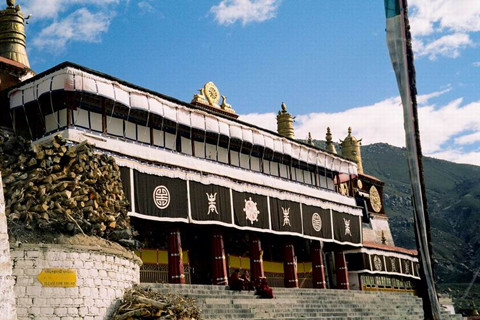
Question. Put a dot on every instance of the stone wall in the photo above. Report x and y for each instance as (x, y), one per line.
(7, 297)
(102, 275)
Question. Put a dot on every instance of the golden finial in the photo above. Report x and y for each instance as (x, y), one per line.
(12, 34)
(330, 146)
(351, 149)
(309, 139)
(285, 122)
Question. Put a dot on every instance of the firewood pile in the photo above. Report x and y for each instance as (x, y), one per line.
(146, 304)
(58, 187)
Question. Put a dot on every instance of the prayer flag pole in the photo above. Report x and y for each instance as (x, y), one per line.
(401, 54)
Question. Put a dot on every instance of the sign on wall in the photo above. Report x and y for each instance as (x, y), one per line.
(58, 277)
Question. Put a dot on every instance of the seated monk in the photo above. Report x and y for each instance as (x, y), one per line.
(264, 291)
(235, 282)
(247, 283)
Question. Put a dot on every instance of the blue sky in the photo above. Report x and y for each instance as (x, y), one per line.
(327, 60)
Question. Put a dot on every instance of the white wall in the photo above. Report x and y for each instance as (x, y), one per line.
(7, 296)
(103, 275)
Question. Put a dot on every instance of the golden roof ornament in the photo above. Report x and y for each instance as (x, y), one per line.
(209, 96)
(12, 34)
(285, 122)
(330, 146)
(351, 149)
(309, 139)
(226, 106)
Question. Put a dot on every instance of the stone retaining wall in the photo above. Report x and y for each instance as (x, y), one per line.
(7, 297)
(102, 275)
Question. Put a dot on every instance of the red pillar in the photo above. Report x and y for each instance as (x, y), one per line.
(175, 261)
(318, 269)
(290, 267)
(219, 263)
(256, 262)
(342, 271)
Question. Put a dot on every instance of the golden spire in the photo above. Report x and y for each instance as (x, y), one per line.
(12, 34)
(310, 140)
(330, 146)
(351, 149)
(285, 123)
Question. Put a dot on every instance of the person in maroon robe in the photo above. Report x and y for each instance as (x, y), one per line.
(264, 290)
(247, 283)
(235, 282)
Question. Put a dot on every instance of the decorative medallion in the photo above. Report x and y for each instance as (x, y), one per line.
(359, 184)
(251, 210)
(316, 222)
(212, 203)
(212, 93)
(407, 266)
(375, 200)
(392, 263)
(347, 227)
(377, 262)
(286, 218)
(161, 197)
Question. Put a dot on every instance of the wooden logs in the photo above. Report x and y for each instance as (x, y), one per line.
(63, 187)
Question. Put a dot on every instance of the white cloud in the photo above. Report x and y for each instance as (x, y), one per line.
(468, 139)
(444, 130)
(262, 120)
(41, 9)
(145, 6)
(476, 64)
(458, 156)
(62, 21)
(230, 11)
(447, 46)
(443, 27)
(81, 25)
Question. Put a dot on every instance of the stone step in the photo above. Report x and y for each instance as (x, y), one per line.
(219, 303)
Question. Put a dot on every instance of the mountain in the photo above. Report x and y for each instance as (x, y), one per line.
(453, 197)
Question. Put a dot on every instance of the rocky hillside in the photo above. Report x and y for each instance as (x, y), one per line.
(453, 194)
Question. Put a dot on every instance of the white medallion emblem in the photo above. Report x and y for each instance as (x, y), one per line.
(407, 266)
(377, 262)
(347, 227)
(212, 203)
(251, 210)
(392, 263)
(286, 218)
(316, 222)
(161, 197)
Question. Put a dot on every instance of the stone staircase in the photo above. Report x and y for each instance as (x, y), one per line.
(308, 304)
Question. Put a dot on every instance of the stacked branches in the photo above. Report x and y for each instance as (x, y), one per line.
(61, 188)
(144, 303)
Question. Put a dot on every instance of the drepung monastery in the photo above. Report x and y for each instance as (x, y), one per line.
(207, 193)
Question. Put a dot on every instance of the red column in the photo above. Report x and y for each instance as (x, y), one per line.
(290, 267)
(175, 261)
(318, 269)
(342, 271)
(256, 262)
(219, 272)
